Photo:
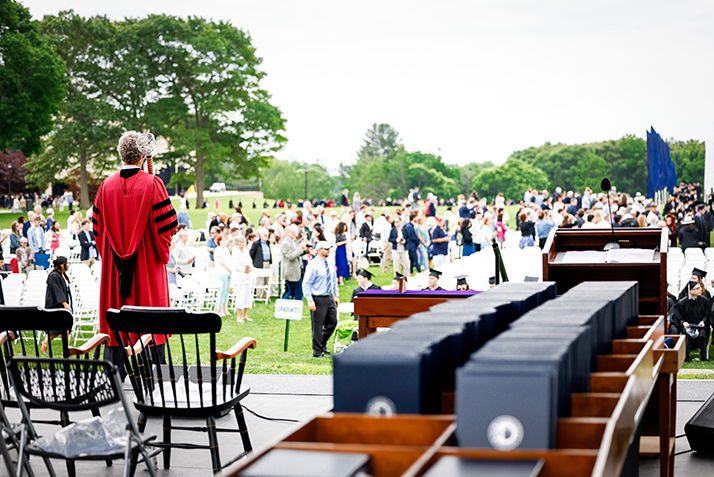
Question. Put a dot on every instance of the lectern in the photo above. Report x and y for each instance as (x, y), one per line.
(572, 256)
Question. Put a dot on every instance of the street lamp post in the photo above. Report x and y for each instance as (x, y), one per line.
(306, 182)
(9, 174)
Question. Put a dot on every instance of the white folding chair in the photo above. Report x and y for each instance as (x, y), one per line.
(86, 315)
(257, 274)
(277, 284)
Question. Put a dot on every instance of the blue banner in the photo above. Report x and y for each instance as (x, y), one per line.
(661, 170)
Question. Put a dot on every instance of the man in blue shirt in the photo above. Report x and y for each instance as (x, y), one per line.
(319, 286)
(36, 235)
(183, 217)
(211, 244)
(440, 241)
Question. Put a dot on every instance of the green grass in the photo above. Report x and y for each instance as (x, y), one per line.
(269, 333)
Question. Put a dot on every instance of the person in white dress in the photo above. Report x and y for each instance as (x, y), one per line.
(224, 272)
(243, 265)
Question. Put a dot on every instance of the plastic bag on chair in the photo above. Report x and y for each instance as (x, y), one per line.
(96, 436)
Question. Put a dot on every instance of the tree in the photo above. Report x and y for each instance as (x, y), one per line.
(212, 107)
(281, 181)
(86, 131)
(18, 173)
(31, 80)
(381, 140)
(430, 174)
(512, 179)
(370, 177)
(589, 171)
(627, 160)
(688, 156)
(469, 172)
(286, 180)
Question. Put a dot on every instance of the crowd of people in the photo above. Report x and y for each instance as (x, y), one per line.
(686, 214)
(21, 203)
(411, 238)
(35, 241)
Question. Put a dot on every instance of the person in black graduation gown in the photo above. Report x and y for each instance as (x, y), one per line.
(433, 280)
(697, 276)
(462, 284)
(364, 278)
(58, 293)
(688, 234)
(693, 318)
(395, 281)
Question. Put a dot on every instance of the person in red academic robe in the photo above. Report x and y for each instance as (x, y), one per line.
(133, 224)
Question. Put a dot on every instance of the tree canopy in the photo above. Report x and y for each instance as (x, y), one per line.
(194, 83)
(286, 180)
(381, 140)
(512, 179)
(31, 80)
(385, 168)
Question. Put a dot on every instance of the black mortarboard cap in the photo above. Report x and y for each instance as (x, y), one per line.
(434, 273)
(398, 276)
(461, 280)
(365, 274)
(700, 273)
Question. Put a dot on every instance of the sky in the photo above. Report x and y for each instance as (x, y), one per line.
(470, 80)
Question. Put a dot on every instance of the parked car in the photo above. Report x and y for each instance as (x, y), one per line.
(218, 187)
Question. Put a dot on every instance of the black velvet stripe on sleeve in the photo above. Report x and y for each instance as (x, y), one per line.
(94, 221)
(94, 209)
(95, 233)
(161, 204)
(164, 216)
(168, 227)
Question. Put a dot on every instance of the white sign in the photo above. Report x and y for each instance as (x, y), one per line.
(288, 309)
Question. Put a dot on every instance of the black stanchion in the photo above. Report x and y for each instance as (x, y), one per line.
(500, 267)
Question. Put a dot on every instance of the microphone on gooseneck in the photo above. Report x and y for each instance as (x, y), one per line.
(606, 185)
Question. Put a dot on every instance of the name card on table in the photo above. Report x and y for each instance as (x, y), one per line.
(288, 309)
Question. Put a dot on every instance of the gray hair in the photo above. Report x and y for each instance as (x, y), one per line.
(239, 239)
(291, 228)
(127, 149)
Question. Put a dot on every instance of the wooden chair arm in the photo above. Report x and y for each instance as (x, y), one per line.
(139, 345)
(237, 348)
(98, 339)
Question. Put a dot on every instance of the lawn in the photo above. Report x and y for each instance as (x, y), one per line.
(269, 357)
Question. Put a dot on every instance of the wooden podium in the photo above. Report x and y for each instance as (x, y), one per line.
(383, 308)
(651, 276)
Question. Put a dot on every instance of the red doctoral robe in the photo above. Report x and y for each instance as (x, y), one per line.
(133, 224)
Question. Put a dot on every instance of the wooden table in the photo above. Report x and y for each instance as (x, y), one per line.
(382, 308)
